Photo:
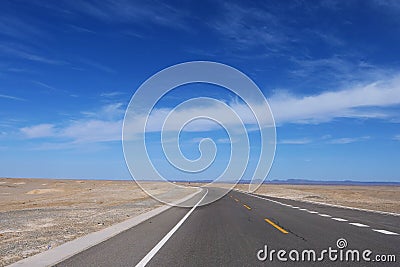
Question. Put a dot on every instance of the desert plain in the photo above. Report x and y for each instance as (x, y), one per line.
(39, 214)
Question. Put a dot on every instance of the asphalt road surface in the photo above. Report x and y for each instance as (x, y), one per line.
(237, 230)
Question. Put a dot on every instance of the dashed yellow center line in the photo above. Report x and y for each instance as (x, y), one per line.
(247, 207)
(276, 226)
(237, 200)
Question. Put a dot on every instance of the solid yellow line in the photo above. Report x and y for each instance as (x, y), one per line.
(276, 226)
(247, 207)
(237, 200)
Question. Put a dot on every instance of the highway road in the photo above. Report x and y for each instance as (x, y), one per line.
(237, 230)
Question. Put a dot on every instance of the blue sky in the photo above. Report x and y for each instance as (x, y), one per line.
(329, 69)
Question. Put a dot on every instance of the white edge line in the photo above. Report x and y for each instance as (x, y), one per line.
(73, 247)
(386, 232)
(360, 225)
(339, 219)
(160, 244)
(331, 205)
(324, 215)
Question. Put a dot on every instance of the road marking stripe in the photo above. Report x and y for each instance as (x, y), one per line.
(160, 244)
(276, 226)
(359, 224)
(339, 219)
(325, 204)
(385, 232)
(247, 207)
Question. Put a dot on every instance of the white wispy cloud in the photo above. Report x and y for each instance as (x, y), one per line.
(15, 27)
(81, 131)
(206, 118)
(105, 124)
(348, 140)
(51, 88)
(113, 111)
(336, 70)
(345, 103)
(97, 65)
(100, 126)
(249, 26)
(44, 85)
(80, 29)
(39, 131)
(302, 141)
(355, 102)
(392, 5)
(111, 94)
(271, 28)
(120, 11)
(396, 137)
(88, 131)
(22, 52)
(12, 97)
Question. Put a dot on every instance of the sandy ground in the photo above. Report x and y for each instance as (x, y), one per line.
(39, 214)
(380, 198)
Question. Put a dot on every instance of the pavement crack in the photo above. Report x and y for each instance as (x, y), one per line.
(299, 236)
(289, 230)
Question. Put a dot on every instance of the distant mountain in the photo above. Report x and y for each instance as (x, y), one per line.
(319, 182)
(305, 182)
